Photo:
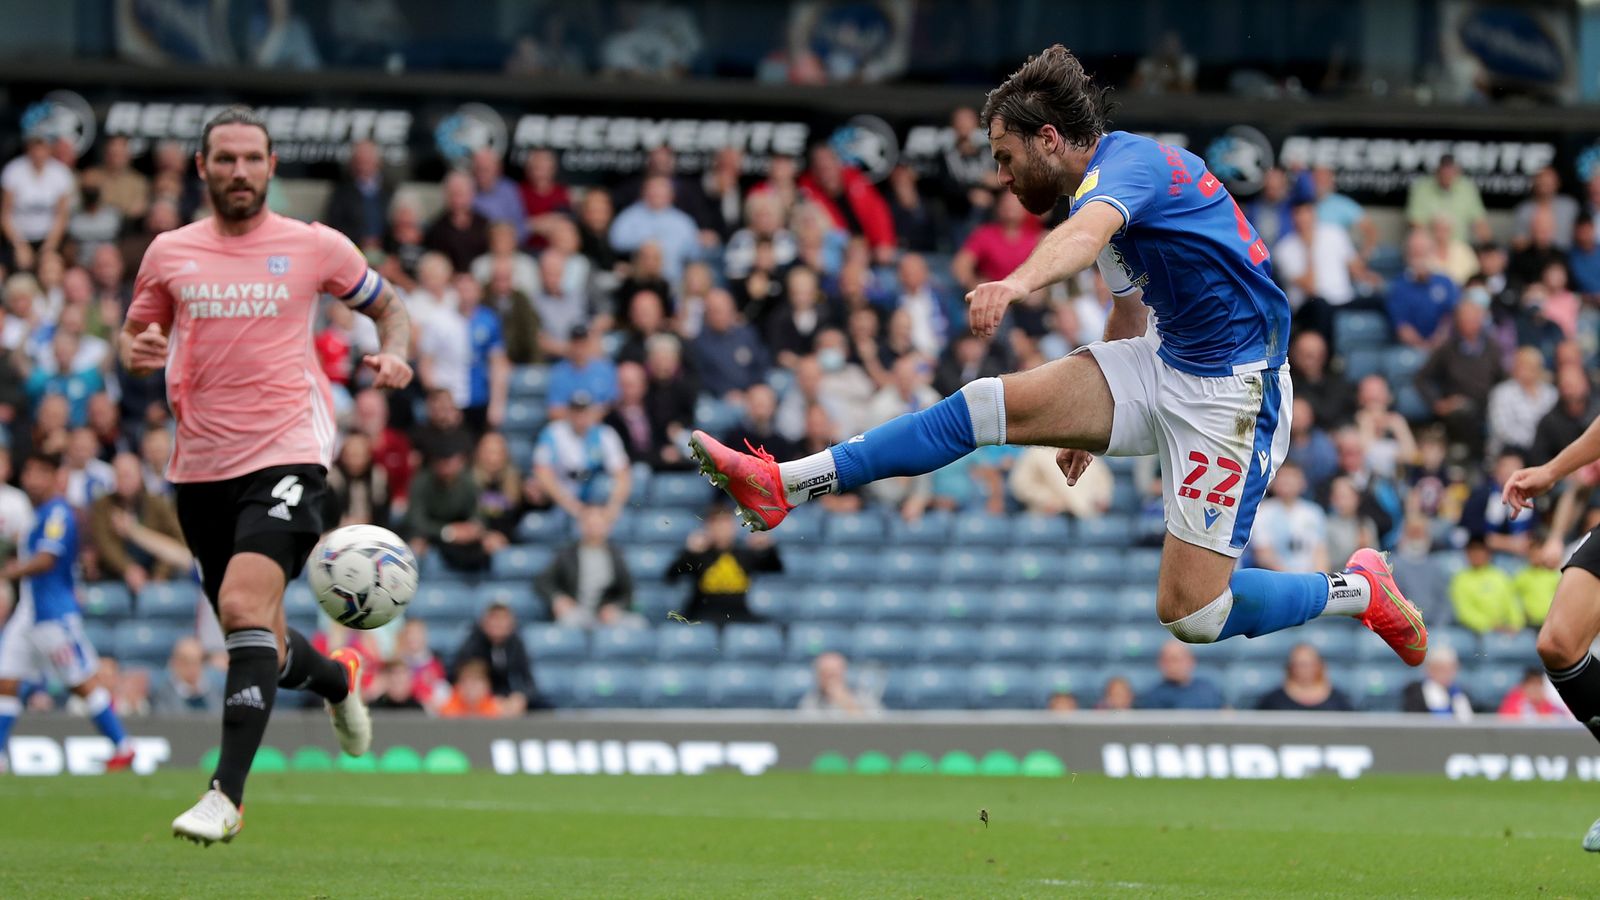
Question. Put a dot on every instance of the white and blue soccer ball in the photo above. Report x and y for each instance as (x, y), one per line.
(362, 575)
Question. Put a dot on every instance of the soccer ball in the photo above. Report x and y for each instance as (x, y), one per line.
(362, 575)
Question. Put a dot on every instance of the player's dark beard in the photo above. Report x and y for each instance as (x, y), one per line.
(231, 210)
(1033, 184)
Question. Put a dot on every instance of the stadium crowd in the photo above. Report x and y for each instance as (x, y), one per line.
(568, 338)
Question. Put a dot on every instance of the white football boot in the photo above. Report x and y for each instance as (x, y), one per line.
(213, 819)
(350, 719)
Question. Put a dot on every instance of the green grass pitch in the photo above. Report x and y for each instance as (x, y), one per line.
(801, 835)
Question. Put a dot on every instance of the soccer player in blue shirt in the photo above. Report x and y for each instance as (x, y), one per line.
(45, 632)
(1206, 385)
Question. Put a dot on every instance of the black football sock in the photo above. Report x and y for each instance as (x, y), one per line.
(1579, 686)
(304, 669)
(252, 685)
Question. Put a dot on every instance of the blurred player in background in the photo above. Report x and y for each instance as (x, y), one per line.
(1207, 388)
(45, 632)
(227, 305)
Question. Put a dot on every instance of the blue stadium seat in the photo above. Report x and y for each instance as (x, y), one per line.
(1131, 605)
(106, 599)
(1464, 641)
(545, 526)
(741, 686)
(931, 687)
(623, 644)
(802, 526)
(829, 604)
(1081, 681)
(1135, 643)
(176, 600)
(521, 561)
(1487, 684)
(980, 530)
(680, 490)
(1041, 566)
(1243, 683)
(1002, 687)
(776, 603)
(298, 601)
(883, 643)
(1040, 531)
(445, 639)
(669, 526)
(1142, 566)
(1098, 566)
(1072, 643)
(609, 686)
(437, 603)
(808, 639)
(1518, 648)
(893, 604)
(555, 643)
(1401, 363)
(146, 642)
(1010, 643)
(1408, 402)
(557, 683)
(640, 486)
(102, 635)
(1355, 328)
(520, 448)
(677, 642)
(648, 560)
(933, 529)
(1027, 605)
(908, 566)
(848, 564)
(1269, 648)
(674, 686)
(750, 642)
(1079, 606)
(857, 530)
(790, 682)
(518, 595)
(953, 604)
(523, 418)
(1373, 688)
(1359, 362)
(1334, 638)
(1105, 531)
(654, 600)
(967, 567)
(947, 644)
(529, 382)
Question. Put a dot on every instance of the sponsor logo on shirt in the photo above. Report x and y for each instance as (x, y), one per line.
(233, 300)
(278, 265)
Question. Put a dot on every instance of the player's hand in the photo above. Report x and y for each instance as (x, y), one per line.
(393, 372)
(1073, 463)
(148, 351)
(987, 304)
(1526, 484)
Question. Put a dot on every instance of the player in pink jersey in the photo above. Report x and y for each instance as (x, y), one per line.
(227, 306)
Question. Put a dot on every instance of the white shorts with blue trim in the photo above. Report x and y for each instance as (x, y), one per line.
(59, 647)
(1220, 439)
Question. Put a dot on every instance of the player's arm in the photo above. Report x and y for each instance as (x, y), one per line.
(1526, 484)
(394, 336)
(1129, 317)
(37, 564)
(1064, 252)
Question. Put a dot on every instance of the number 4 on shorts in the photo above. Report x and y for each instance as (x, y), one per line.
(289, 490)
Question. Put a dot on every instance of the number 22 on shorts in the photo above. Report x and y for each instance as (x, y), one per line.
(1221, 492)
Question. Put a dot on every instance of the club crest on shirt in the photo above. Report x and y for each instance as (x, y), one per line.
(278, 265)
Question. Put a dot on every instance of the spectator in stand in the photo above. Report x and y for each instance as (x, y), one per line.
(832, 692)
(929, 326)
(843, 380)
(1439, 692)
(586, 370)
(123, 187)
(1317, 264)
(758, 425)
(359, 203)
(391, 449)
(653, 218)
(1117, 694)
(473, 697)
(1419, 576)
(77, 385)
(1533, 697)
(722, 569)
(1330, 396)
(1536, 584)
(995, 249)
(495, 644)
(1447, 192)
(503, 248)
(404, 244)
(1584, 257)
(1560, 304)
(496, 197)
(500, 489)
(106, 424)
(630, 416)
(1168, 69)
(1566, 420)
(445, 351)
(1546, 197)
(758, 296)
(968, 184)
(595, 213)
(687, 193)
(1305, 687)
(579, 461)
(358, 488)
(488, 371)
(1485, 515)
(1065, 331)
(116, 554)
(646, 274)
(460, 232)
(343, 335)
(397, 692)
(1420, 299)
(724, 196)
(763, 225)
(1456, 380)
(670, 397)
(95, 223)
(1339, 210)
(87, 477)
(647, 318)
(1311, 448)
(1179, 687)
(188, 686)
(155, 449)
(1483, 596)
(429, 682)
(442, 426)
(728, 355)
(850, 200)
(1385, 433)
(1347, 529)
(1291, 533)
(443, 511)
(433, 295)
(36, 194)
(819, 243)
(1517, 404)
(792, 328)
(588, 582)
(561, 308)
(918, 226)
(1528, 262)
(519, 321)
(1269, 212)
(544, 197)
(1454, 257)
(1038, 483)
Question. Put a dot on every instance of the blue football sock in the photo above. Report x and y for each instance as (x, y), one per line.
(1264, 601)
(104, 718)
(912, 444)
(10, 708)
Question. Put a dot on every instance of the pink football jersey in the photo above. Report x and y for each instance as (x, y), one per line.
(242, 377)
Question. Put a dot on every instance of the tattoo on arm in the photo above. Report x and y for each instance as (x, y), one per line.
(394, 323)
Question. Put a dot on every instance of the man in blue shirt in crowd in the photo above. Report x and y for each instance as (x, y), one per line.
(1420, 299)
(1179, 687)
(585, 370)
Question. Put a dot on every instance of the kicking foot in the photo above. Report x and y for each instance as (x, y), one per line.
(213, 819)
(350, 719)
(751, 479)
(1390, 615)
(120, 762)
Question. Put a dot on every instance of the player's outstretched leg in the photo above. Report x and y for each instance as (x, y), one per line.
(1568, 632)
(10, 708)
(98, 702)
(912, 444)
(337, 680)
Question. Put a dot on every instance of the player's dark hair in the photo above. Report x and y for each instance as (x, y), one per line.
(1051, 89)
(237, 114)
(44, 458)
